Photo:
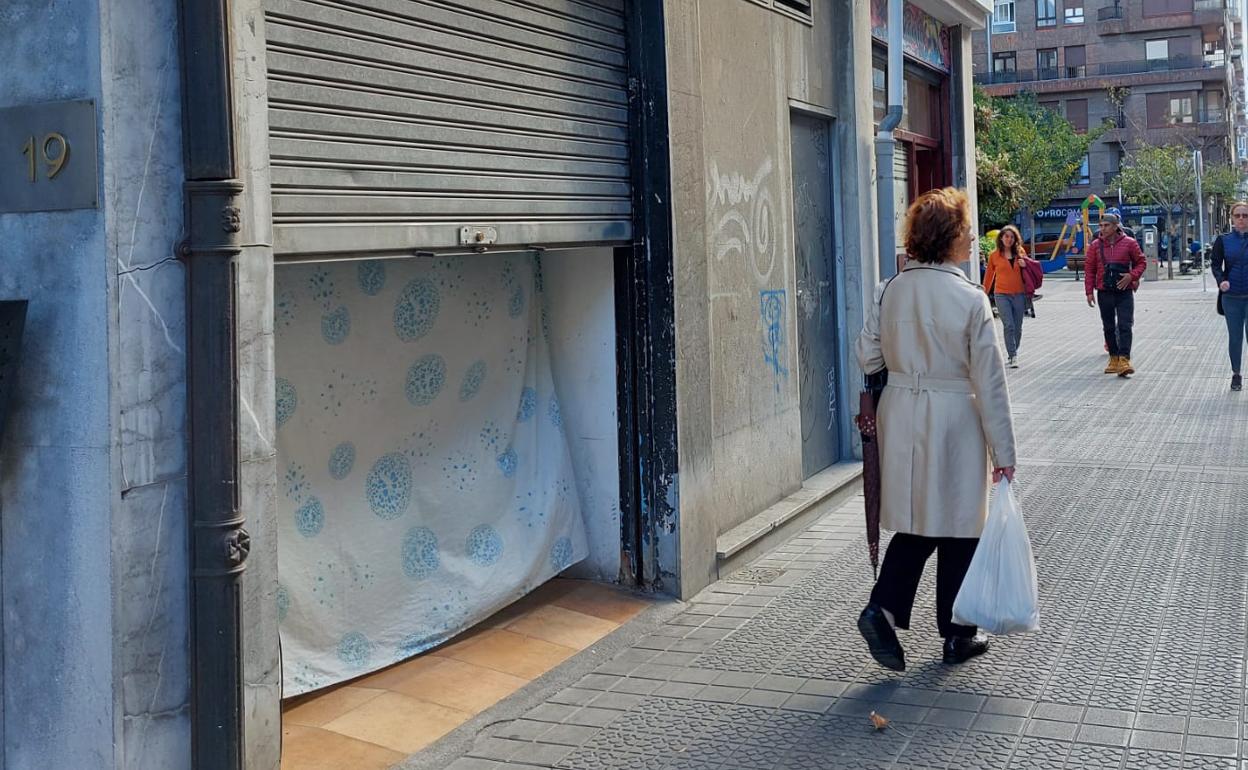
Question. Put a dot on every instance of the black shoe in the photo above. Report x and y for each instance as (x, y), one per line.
(960, 649)
(1237, 382)
(881, 638)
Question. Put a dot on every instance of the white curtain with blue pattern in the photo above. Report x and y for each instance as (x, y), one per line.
(426, 481)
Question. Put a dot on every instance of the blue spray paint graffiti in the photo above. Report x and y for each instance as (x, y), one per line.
(771, 306)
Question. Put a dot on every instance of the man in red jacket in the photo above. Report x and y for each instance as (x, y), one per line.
(1113, 270)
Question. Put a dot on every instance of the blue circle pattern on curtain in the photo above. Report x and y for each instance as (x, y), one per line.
(342, 460)
(485, 545)
(507, 462)
(515, 305)
(372, 275)
(355, 649)
(287, 400)
(425, 380)
(561, 554)
(310, 518)
(416, 309)
(283, 603)
(528, 405)
(556, 415)
(389, 486)
(336, 325)
(420, 553)
(473, 379)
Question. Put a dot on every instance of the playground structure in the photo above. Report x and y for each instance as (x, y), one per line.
(1071, 248)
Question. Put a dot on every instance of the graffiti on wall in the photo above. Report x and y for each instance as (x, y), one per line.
(740, 209)
(771, 307)
(923, 37)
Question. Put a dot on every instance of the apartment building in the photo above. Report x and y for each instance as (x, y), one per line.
(1159, 71)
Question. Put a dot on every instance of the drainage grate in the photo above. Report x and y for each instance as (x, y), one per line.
(755, 575)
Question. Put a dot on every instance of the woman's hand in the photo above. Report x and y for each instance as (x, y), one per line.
(1225, 286)
(1003, 473)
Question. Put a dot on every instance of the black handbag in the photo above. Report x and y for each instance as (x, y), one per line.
(1220, 310)
(1113, 273)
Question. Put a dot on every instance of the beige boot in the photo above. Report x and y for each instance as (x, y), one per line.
(1114, 365)
(1124, 366)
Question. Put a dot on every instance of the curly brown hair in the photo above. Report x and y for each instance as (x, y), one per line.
(934, 222)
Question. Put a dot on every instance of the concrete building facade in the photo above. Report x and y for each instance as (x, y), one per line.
(742, 260)
(1157, 72)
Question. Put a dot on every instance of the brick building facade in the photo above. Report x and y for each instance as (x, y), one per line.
(1160, 71)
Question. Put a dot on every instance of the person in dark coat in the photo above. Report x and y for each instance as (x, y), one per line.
(1230, 270)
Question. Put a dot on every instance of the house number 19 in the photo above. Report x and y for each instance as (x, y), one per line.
(54, 150)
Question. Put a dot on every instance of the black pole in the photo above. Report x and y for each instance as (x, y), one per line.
(218, 542)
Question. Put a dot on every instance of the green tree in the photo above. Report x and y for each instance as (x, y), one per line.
(1221, 183)
(999, 190)
(1040, 149)
(1160, 176)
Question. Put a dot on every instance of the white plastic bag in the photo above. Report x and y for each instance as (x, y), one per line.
(999, 593)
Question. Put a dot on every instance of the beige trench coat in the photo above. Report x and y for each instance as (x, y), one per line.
(946, 405)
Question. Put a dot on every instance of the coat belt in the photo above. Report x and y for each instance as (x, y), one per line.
(920, 382)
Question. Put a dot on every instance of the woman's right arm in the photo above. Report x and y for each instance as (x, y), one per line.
(870, 353)
(991, 274)
(1217, 260)
(987, 371)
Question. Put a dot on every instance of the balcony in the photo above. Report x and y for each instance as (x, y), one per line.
(1110, 13)
(1103, 69)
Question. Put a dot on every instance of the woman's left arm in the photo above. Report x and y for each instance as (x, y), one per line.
(987, 371)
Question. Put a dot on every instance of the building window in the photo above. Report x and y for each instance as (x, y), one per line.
(1077, 114)
(1074, 12)
(1157, 52)
(1003, 16)
(1180, 109)
(1046, 13)
(1169, 109)
(1076, 61)
(879, 91)
(1084, 175)
(1004, 67)
(1046, 64)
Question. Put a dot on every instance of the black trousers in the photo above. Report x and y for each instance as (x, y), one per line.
(903, 567)
(1117, 316)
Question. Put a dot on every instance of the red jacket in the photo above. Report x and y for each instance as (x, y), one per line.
(1122, 250)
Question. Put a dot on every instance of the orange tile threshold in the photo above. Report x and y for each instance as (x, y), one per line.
(376, 721)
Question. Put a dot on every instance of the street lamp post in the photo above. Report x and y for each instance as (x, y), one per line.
(1200, 216)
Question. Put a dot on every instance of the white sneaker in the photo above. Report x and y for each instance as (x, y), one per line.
(1013, 362)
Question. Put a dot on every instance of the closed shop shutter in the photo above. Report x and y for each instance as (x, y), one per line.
(395, 123)
(901, 190)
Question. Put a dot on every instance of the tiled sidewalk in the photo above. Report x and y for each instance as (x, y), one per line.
(1136, 494)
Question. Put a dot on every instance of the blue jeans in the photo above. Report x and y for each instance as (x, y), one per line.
(1236, 309)
(1012, 308)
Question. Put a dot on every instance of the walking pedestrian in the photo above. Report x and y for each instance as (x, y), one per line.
(1112, 270)
(944, 410)
(1230, 269)
(1004, 282)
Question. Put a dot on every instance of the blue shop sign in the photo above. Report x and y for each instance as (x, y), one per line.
(1130, 211)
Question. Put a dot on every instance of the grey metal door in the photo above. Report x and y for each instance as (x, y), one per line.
(816, 292)
(396, 124)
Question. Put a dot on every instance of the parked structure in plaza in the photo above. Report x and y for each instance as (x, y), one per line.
(673, 202)
(1157, 71)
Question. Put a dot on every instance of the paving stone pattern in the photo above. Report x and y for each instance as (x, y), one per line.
(1136, 496)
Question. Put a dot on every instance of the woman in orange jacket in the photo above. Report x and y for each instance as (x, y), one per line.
(1004, 280)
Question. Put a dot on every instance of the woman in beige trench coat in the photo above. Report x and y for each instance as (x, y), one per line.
(945, 410)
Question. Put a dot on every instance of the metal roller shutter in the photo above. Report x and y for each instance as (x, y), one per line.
(901, 190)
(395, 123)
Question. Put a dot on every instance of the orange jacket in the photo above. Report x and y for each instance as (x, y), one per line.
(1009, 278)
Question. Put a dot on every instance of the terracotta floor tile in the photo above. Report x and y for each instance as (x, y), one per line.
(327, 706)
(461, 686)
(389, 678)
(311, 748)
(515, 654)
(398, 722)
(563, 626)
(603, 601)
(465, 639)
